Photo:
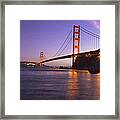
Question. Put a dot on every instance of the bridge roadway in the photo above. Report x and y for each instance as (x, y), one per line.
(95, 52)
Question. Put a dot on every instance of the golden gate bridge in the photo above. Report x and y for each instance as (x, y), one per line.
(89, 59)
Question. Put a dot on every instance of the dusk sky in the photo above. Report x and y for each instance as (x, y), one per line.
(48, 36)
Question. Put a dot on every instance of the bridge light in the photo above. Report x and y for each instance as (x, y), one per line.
(28, 64)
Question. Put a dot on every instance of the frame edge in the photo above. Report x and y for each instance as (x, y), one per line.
(2, 62)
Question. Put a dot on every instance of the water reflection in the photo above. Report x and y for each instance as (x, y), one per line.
(73, 85)
(98, 86)
(83, 85)
(59, 85)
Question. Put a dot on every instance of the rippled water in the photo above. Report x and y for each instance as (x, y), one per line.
(58, 84)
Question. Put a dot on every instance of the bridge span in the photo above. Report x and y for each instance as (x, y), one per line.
(89, 60)
(90, 53)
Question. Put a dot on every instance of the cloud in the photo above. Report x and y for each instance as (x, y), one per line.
(96, 23)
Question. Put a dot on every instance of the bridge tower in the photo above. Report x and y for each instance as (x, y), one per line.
(76, 42)
(41, 58)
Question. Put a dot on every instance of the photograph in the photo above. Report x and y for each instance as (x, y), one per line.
(59, 59)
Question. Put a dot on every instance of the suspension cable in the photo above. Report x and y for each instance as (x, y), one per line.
(62, 44)
(65, 46)
(82, 29)
(90, 32)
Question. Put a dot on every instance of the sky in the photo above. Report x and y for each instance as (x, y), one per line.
(48, 36)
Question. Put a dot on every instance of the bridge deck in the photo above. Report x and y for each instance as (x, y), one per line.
(70, 56)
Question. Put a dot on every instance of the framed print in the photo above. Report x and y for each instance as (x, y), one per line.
(59, 60)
